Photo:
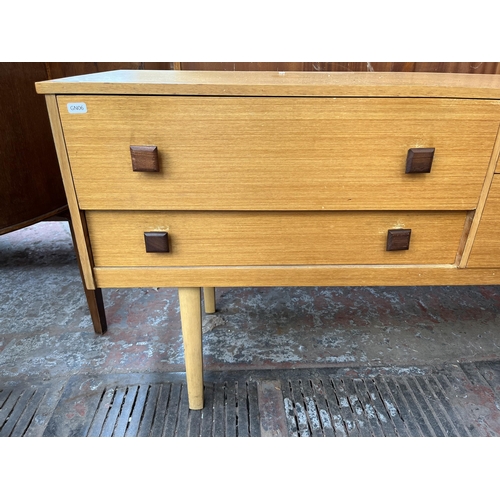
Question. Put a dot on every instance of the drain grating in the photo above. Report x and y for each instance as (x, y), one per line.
(453, 401)
(140, 405)
(457, 400)
(373, 406)
(162, 410)
(26, 408)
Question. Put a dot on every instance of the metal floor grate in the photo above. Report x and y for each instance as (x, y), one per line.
(457, 400)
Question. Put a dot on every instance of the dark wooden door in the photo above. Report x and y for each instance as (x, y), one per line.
(31, 188)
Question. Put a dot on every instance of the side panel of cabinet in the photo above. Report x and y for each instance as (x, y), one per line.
(486, 248)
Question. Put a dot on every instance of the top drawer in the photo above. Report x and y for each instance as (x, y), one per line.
(271, 153)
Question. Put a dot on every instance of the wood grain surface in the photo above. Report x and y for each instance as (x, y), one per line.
(80, 233)
(234, 276)
(273, 238)
(277, 83)
(30, 183)
(279, 153)
(427, 67)
(486, 247)
(65, 69)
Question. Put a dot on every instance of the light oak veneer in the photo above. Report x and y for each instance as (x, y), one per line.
(278, 179)
(279, 153)
(273, 238)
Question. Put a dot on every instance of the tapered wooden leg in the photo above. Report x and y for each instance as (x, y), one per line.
(96, 309)
(190, 302)
(94, 297)
(209, 299)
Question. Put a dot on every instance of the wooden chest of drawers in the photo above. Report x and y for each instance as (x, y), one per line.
(205, 179)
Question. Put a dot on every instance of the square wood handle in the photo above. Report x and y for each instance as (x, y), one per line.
(156, 242)
(144, 158)
(419, 160)
(398, 239)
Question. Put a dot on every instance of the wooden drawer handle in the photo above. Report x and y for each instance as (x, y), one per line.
(398, 239)
(156, 241)
(144, 158)
(419, 160)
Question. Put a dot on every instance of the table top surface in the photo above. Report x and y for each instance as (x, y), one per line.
(264, 83)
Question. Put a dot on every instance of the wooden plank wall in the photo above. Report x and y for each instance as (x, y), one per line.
(60, 70)
(30, 182)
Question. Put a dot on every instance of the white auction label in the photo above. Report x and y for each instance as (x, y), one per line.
(77, 107)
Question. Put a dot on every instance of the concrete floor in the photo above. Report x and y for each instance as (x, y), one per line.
(46, 331)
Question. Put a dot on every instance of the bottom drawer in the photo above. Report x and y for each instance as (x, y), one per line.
(272, 238)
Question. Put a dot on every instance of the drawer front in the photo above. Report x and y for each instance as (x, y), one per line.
(486, 248)
(272, 238)
(244, 153)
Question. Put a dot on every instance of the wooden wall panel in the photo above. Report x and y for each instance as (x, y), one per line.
(244, 66)
(65, 69)
(431, 67)
(30, 183)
